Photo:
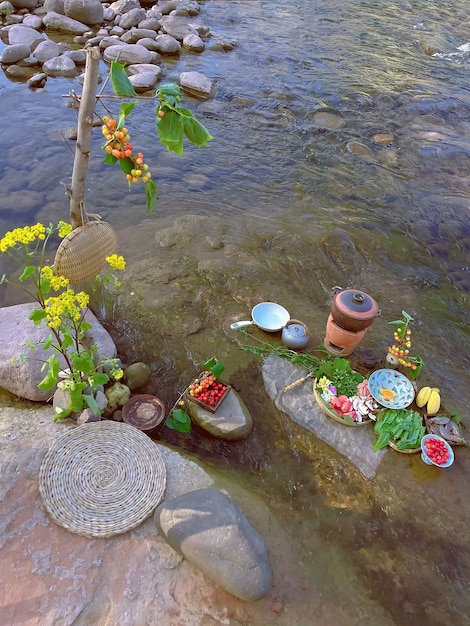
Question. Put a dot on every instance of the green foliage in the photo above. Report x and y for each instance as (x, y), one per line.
(403, 427)
(339, 372)
(122, 86)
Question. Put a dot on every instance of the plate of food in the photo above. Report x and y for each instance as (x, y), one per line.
(391, 389)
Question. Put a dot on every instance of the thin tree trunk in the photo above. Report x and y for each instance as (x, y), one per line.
(84, 131)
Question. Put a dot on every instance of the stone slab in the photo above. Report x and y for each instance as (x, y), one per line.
(353, 442)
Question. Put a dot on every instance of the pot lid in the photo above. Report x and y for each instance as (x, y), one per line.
(356, 304)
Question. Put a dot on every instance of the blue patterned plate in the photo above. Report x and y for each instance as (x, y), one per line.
(391, 389)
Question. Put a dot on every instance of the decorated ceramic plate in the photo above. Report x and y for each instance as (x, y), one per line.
(391, 389)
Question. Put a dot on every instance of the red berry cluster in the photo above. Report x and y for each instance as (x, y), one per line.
(207, 389)
(117, 144)
(437, 451)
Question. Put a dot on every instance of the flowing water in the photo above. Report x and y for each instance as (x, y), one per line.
(348, 121)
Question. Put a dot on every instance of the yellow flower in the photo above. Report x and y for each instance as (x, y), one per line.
(117, 373)
(56, 282)
(67, 304)
(64, 229)
(116, 262)
(24, 236)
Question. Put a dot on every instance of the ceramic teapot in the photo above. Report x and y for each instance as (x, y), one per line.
(295, 335)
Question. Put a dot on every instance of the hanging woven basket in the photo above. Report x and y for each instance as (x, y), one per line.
(82, 254)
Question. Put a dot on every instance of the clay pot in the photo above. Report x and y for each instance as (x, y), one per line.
(353, 310)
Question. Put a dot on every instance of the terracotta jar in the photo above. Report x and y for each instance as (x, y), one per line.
(353, 310)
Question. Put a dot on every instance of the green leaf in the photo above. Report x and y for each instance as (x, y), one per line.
(76, 398)
(179, 420)
(98, 378)
(37, 315)
(61, 414)
(27, 272)
(45, 287)
(83, 362)
(48, 343)
(91, 403)
(169, 92)
(125, 110)
(126, 164)
(48, 382)
(396, 323)
(194, 130)
(170, 131)
(151, 195)
(122, 86)
(217, 369)
(109, 159)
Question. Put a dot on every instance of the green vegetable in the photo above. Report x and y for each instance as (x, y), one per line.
(403, 427)
(341, 375)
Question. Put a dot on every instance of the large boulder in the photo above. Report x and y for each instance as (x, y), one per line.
(211, 532)
(20, 365)
(56, 21)
(25, 36)
(87, 11)
(60, 66)
(12, 54)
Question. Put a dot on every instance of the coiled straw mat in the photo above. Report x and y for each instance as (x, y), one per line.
(82, 254)
(102, 479)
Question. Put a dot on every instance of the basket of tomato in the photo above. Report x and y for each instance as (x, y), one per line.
(207, 391)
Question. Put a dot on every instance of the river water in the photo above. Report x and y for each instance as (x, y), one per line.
(343, 124)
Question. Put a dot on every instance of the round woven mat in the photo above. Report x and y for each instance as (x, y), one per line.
(102, 479)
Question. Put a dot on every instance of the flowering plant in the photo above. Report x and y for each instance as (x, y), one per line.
(63, 312)
(399, 351)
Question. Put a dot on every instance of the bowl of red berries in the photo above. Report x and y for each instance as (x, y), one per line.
(436, 451)
(207, 391)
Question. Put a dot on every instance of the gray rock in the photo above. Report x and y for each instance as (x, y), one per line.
(87, 416)
(25, 4)
(177, 26)
(129, 53)
(32, 21)
(6, 8)
(61, 400)
(101, 400)
(150, 44)
(57, 6)
(117, 31)
(46, 50)
(137, 375)
(167, 6)
(355, 443)
(166, 44)
(110, 41)
(212, 533)
(77, 56)
(87, 11)
(132, 18)
(151, 23)
(24, 35)
(232, 420)
(12, 54)
(123, 6)
(56, 21)
(60, 66)
(197, 84)
(21, 377)
(108, 15)
(144, 81)
(193, 43)
(38, 80)
(16, 72)
(134, 34)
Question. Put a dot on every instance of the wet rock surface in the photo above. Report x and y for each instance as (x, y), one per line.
(232, 420)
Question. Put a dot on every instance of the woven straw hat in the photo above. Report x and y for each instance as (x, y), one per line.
(82, 254)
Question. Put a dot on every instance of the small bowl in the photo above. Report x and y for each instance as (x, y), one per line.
(425, 457)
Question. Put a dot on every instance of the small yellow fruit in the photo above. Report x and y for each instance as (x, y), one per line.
(423, 396)
(434, 402)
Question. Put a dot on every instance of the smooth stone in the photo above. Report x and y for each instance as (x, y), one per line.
(60, 66)
(134, 34)
(328, 119)
(150, 23)
(232, 420)
(57, 6)
(193, 43)
(24, 35)
(209, 530)
(129, 53)
(356, 147)
(46, 50)
(166, 44)
(132, 18)
(14, 53)
(178, 26)
(22, 376)
(354, 443)
(197, 84)
(86, 11)
(38, 80)
(32, 21)
(87, 416)
(17, 72)
(56, 21)
(137, 375)
(383, 138)
(143, 81)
